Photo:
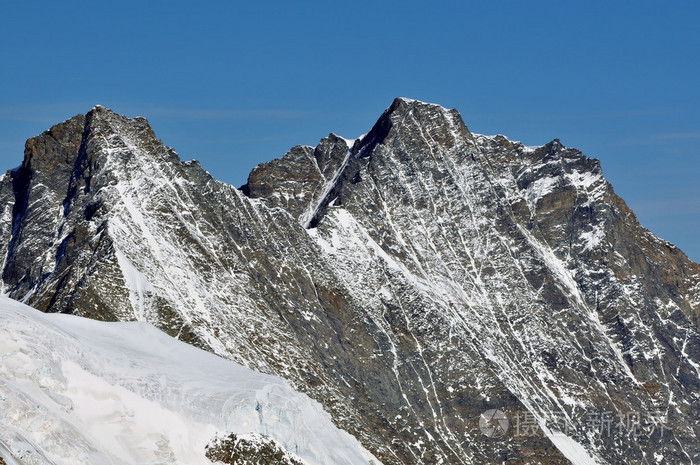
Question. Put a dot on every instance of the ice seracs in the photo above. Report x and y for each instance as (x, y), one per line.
(125, 393)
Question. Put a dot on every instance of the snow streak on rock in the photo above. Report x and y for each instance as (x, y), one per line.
(408, 280)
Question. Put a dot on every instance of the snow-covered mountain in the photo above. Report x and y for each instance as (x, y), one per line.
(409, 281)
(79, 391)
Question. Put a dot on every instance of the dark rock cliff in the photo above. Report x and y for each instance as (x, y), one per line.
(409, 282)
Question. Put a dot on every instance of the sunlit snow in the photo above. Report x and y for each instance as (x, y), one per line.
(73, 390)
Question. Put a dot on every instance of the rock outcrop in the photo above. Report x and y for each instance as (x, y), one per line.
(409, 281)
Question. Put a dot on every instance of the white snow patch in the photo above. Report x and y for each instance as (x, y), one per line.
(409, 100)
(137, 284)
(538, 189)
(350, 142)
(525, 148)
(572, 450)
(309, 215)
(584, 179)
(591, 239)
(385, 292)
(74, 390)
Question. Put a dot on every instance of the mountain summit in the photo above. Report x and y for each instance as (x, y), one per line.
(411, 281)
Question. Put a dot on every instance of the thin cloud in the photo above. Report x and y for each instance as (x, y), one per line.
(42, 113)
(228, 140)
(659, 138)
(53, 113)
(206, 114)
(682, 206)
(500, 116)
(678, 135)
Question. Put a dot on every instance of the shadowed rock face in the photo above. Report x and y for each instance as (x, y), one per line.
(409, 282)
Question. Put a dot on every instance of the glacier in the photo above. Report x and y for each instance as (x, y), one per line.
(74, 390)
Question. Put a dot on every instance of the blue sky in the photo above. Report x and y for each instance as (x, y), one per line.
(234, 84)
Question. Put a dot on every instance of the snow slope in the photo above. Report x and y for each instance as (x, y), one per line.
(74, 390)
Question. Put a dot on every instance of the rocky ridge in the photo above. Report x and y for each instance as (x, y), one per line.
(408, 280)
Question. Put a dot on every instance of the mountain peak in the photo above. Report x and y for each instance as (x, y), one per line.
(418, 271)
(402, 105)
(417, 119)
(336, 162)
(412, 101)
(55, 153)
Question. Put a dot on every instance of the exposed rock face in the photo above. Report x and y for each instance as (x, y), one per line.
(254, 450)
(409, 282)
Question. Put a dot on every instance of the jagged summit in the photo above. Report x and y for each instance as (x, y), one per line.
(409, 281)
(412, 115)
(337, 162)
(59, 149)
(411, 101)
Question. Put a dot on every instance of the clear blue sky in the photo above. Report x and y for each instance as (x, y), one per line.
(234, 84)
